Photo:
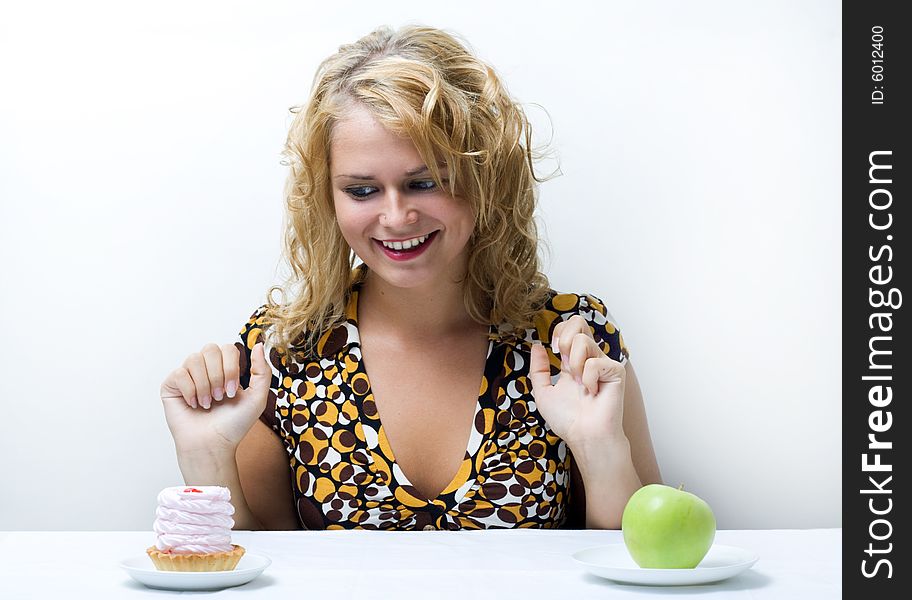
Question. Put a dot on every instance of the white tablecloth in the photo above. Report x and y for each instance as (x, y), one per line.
(501, 564)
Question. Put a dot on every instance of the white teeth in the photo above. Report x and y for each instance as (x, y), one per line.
(405, 245)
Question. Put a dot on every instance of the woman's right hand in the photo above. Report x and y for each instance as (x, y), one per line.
(206, 410)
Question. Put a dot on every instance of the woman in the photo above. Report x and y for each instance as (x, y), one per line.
(492, 400)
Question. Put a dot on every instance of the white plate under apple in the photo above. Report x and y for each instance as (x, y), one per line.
(614, 562)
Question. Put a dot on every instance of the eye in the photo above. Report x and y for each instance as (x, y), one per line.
(360, 192)
(425, 184)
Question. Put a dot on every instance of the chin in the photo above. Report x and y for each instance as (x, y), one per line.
(407, 276)
(403, 277)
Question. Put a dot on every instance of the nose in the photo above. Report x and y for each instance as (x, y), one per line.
(397, 212)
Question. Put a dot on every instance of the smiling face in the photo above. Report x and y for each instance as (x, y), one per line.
(383, 192)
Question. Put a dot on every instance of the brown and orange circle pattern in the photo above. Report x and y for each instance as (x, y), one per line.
(515, 472)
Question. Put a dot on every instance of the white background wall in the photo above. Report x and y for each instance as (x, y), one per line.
(140, 210)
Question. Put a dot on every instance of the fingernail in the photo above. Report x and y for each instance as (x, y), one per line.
(231, 389)
(554, 346)
(205, 401)
(218, 394)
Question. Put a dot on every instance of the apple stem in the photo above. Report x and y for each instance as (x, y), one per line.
(680, 487)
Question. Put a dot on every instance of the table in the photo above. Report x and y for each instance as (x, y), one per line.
(501, 564)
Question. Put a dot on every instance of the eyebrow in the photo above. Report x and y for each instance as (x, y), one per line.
(411, 173)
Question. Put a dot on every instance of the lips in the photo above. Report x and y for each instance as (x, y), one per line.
(411, 253)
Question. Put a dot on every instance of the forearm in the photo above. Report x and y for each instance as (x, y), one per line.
(609, 478)
(219, 469)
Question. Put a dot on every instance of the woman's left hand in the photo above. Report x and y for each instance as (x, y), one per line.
(586, 405)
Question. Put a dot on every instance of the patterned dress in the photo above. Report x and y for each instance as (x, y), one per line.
(515, 472)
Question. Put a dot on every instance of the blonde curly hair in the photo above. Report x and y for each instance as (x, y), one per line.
(420, 82)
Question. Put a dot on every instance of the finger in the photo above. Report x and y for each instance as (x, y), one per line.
(212, 354)
(582, 347)
(555, 343)
(539, 368)
(602, 369)
(180, 384)
(196, 365)
(231, 368)
(260, 373)
(565, 330)
(573, 325)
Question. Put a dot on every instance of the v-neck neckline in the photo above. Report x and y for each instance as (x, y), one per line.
(474, 444)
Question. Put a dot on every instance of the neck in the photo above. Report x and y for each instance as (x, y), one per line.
(433, 311)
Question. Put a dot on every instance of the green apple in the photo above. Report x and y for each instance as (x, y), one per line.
(667, 528)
